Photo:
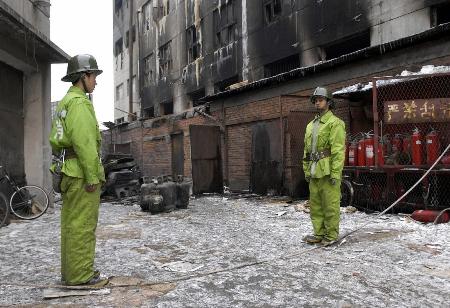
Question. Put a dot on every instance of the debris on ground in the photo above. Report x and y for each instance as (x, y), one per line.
(230, 253)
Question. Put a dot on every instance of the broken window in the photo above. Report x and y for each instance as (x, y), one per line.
(284, 65)
(149, 112)
(440, 14)
(272, 10)
(133, 33)
(149, 77)
(347, 45)
(119, 92)
(147, 18)
(118, 6)
(193, 43)
(222, 85)
(118, 53)
(118, 47)
(196, 96)
(165, 60)
(224, 24)
(163, 8)
(166, 108)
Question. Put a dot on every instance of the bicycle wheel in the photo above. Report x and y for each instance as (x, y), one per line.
(4, 209)
(347, 193)
(29, 202)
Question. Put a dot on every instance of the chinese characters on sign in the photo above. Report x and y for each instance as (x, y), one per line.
(417, 111)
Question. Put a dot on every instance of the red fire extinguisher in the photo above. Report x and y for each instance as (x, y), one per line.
(369, 145)
(353, 153)
(361, 152)
(432, 145)
(416, 147)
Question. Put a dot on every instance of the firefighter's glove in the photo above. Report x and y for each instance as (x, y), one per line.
(333, 181)
(90, 187)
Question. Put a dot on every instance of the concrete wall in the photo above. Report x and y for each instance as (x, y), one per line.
(31, 152)
(122, 71)
(38, 17)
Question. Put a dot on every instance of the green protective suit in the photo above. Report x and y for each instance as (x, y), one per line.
(325, 197)
(75, 128)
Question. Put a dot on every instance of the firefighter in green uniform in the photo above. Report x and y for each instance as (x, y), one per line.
(75, 133)
(323, 161)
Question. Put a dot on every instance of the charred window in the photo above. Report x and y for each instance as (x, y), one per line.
(118, 47)
(118, 6)
(224, 84)
(163, 8)
(119, 92)
(440, 14)
(149, 74)
(347, 45)
(284, 65)
(193, 43)
(165, 60)
(118, 53)
(166, 108)
(149, 112)
(224, 24)
(272, 10)
(196, 96)
(127, 39)
(147, 16)
(133, 33)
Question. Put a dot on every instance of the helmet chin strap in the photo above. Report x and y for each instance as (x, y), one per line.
(85, 87)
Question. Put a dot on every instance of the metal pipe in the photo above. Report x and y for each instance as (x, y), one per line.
(131, 116)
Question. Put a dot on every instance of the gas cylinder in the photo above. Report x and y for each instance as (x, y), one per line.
(430, 216)
(361, 152)
(433, 146)
(169, 193)
(150, 198)
(353, 153)
(416, 147)
(369, 146)
(183, 191)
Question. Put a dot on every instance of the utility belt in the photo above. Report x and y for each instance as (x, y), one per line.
(316, 156)
(70, 153)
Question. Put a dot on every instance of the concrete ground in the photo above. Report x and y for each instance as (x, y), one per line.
(225, 251)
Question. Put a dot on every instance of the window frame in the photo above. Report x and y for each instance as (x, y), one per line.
(165, 60)
(193, 43)
(224, 24)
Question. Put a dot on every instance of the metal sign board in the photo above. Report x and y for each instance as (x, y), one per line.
(417, 111)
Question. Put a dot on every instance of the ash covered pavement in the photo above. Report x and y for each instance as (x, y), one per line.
(234, 252)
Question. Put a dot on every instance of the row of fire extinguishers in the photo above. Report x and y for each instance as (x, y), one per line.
(399, 149)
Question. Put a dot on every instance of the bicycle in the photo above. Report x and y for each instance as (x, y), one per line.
(27, 202)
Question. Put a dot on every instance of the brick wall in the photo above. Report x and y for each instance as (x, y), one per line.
(151, 145)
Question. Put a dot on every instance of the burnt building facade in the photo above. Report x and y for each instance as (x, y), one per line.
(256, 88)
(183, 50)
